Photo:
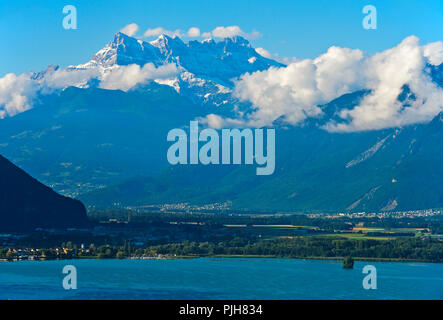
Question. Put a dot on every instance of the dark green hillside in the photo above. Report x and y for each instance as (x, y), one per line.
(88, 138)
(26, 204)
(394, 169)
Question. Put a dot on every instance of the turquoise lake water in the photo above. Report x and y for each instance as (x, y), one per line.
(206, 278)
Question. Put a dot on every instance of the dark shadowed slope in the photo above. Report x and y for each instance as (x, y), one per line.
(84, 139)
(387, 170)
(26, 204)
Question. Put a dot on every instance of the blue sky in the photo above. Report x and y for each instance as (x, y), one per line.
(33, 36)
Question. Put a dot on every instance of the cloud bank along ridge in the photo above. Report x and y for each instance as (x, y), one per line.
(17, 92)
(293, 93)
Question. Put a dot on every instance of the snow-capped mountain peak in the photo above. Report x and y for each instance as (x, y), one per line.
(206, 69)
(223, 60)
(125, 50)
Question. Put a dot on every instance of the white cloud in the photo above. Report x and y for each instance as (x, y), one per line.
(232, 31)
(126, 77)
(265, 53)
(434, 52)
(16, 93)
(193, 32)
(155, 32)
(130, 30)
(213, 121)
(63, 78)
(386, 73)
(217, 122)
(226, 32)
(294, 92)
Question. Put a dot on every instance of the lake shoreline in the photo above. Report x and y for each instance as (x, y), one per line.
(338, 259)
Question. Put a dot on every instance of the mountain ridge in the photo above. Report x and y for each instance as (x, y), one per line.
(206, 68)
(385, 170)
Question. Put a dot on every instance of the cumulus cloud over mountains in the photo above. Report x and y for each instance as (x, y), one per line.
(232, 31)
(17, 92)
(126, 77)
(131, 29)
(293, 93)
(155, 32)
(385, 74)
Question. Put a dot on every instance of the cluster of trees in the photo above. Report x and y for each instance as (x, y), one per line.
(348, 262)
(427, 249)
(6, 253)
(433, 223)
(306, 247)
(216, 220)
